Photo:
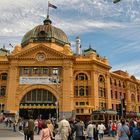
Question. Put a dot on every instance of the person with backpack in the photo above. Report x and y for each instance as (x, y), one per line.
(123, 131)
(136, 132)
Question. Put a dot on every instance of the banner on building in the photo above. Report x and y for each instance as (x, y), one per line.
(39, 80)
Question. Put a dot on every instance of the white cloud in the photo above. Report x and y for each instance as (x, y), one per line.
(77, 17)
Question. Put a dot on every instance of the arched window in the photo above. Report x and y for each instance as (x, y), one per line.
(101, 83)
(81, 88)
(115, 82)
(119, 83)
(81, 77)
(38, 96)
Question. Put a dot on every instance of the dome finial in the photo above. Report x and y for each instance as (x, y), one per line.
(47, 20)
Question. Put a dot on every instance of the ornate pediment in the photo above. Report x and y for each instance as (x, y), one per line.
(40, 53)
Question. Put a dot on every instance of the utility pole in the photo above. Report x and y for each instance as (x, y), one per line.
(121, 106)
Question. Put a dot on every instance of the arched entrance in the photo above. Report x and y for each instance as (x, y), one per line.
(38, 103)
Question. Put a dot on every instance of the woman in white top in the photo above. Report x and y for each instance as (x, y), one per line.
(90, 131)
(101, 128)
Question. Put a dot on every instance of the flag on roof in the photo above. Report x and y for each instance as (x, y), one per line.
(51, 5)
(116, 1)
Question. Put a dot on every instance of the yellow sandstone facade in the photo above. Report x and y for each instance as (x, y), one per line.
(44, 76)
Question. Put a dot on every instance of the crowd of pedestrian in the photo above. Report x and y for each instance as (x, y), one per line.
(75, 129)
(124, 129)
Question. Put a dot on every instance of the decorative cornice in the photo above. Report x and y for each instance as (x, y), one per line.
(60, 55)
(92, 62)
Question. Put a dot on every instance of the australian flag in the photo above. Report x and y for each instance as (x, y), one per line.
(53, 6)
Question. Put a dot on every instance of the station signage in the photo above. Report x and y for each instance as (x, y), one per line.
(39, 80)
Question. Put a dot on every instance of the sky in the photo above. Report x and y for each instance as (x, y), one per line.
(113, 30)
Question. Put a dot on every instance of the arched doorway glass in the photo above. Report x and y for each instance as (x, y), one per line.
(38, 103)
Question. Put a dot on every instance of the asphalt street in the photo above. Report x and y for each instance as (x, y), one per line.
(7, 133)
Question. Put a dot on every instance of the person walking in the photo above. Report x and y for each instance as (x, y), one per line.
(64, 129)
(90, 131)
(79, 129)
(123, 131)
(31, 125)
(131, 128)
(51, 127)
(136, 132)
(14, 126)
(39, 125)
(113, 129)
(25, 129)
(45, 134)
(101, 128)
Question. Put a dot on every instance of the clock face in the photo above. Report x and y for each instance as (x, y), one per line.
(40, 56)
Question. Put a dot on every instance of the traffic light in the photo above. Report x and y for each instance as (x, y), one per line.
(119, 109)
(116, 1)
(124, 107)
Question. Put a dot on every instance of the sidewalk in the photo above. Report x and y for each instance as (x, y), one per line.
(7, 133)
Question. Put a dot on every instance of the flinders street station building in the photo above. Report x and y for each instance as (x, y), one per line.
(44, 76)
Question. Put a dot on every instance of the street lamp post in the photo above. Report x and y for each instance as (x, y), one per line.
(1, 107)
(57, 113)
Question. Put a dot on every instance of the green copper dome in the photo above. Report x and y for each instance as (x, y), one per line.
(45, 33)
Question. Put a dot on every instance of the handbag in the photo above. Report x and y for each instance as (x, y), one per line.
(57, 137)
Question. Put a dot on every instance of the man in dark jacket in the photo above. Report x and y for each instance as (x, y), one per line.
(31, 125)
(79, 129)
(136, 132)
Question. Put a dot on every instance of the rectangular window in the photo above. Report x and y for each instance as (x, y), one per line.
(82, 110)
(120, 94)
(82, 103)
(34, 95)
(112, 106)
(76, 90)
(115, 83)
(2, 90)
(116, 95)
(35, 70)
(45, 95)
(55, 71)
(28, 97)
(4, 77)
(39, 95)
(26, 71)
(77, 110)
(45, 71)
(111, 94)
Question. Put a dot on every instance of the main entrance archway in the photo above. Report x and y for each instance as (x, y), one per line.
(38, 103)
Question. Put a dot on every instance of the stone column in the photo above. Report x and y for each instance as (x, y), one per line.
(67, 105)
(108, 92)
(128, 98)
(11, 89)
(95, 89)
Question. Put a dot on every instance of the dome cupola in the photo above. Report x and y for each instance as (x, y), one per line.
(45, 33)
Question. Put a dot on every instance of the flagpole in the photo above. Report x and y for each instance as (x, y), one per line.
(48, 10)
